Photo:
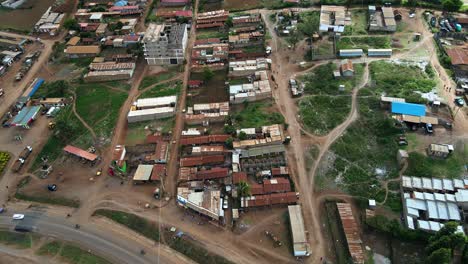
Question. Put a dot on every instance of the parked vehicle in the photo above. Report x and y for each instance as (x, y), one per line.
(19, 76)
(1, 92)
(459, 101)
(225, 203)
(157, 193)
(18, 216)
(429, 129)
(52, 187)
(26, 152)
(18, 164)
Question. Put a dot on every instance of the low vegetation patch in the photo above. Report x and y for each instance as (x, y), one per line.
(166, 89)
(136, 132)
(70, 253)
(136, 223)
(322, 82)
(4, 158)
(99, 107)
(359, 23)
(211, 33)
(320, 114)
(184, 245)
(366, 153)
(20, 240)
(424, 166)
(365, 43)
(48, 199)
(154, 79)
(256, 115)
(68, 130)
(53, 89)
(389, 79)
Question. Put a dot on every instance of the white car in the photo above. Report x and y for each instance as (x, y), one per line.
(225, 204)
(18, 216)
(412, 15)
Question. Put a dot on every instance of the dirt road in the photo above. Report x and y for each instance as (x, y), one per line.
(172, 169)
(14, 89)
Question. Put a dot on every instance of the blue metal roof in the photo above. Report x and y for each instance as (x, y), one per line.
(25, 115)
(121, 3)
(408, 109)
(38, 84)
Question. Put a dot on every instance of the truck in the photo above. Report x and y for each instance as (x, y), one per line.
(18, 165)
(26, 152)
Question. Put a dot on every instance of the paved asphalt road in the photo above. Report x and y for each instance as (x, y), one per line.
(100, 242)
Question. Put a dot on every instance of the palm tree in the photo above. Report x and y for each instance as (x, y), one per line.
(243, 189)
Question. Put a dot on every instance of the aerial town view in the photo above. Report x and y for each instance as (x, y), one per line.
(233, 131)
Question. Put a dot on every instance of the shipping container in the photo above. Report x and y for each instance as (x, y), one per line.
(351, 53)
(379, 52)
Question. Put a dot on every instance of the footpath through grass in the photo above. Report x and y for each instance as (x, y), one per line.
(327, 106)
(184, 244)
(365, 155)
(68, 130)
(320, 114)
(321, 80)
(99, 107)
(166, 89)
(153, 79)
(69, 253)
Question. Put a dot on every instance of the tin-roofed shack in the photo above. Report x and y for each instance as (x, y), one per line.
(80, 153)
(143, 173)
(301, 247)
(351, 232)
(207, 202)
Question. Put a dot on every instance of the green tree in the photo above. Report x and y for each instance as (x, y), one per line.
(229, 142)
(229, 129)
(452, 5)
(70, 24)
(229, 22)
(309, 25)
(242, 135)
(243, 189)
(294, 38)
(440, 256)
(208, 74)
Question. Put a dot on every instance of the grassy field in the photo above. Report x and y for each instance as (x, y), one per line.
(365, 43)
(48, 199)
(365, 153)
(70, 253)
(359, 23)
(388, 79)
(184, 245)
(322, 82)
(211, 33)
(452, 167)
(68, 130)
(320, 114)
(136, 132)
(20, 240)
(166, 89)
(256, 115)
(153, 79)
(99, 106)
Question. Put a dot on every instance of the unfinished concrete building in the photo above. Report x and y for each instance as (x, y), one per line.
(165, 44)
